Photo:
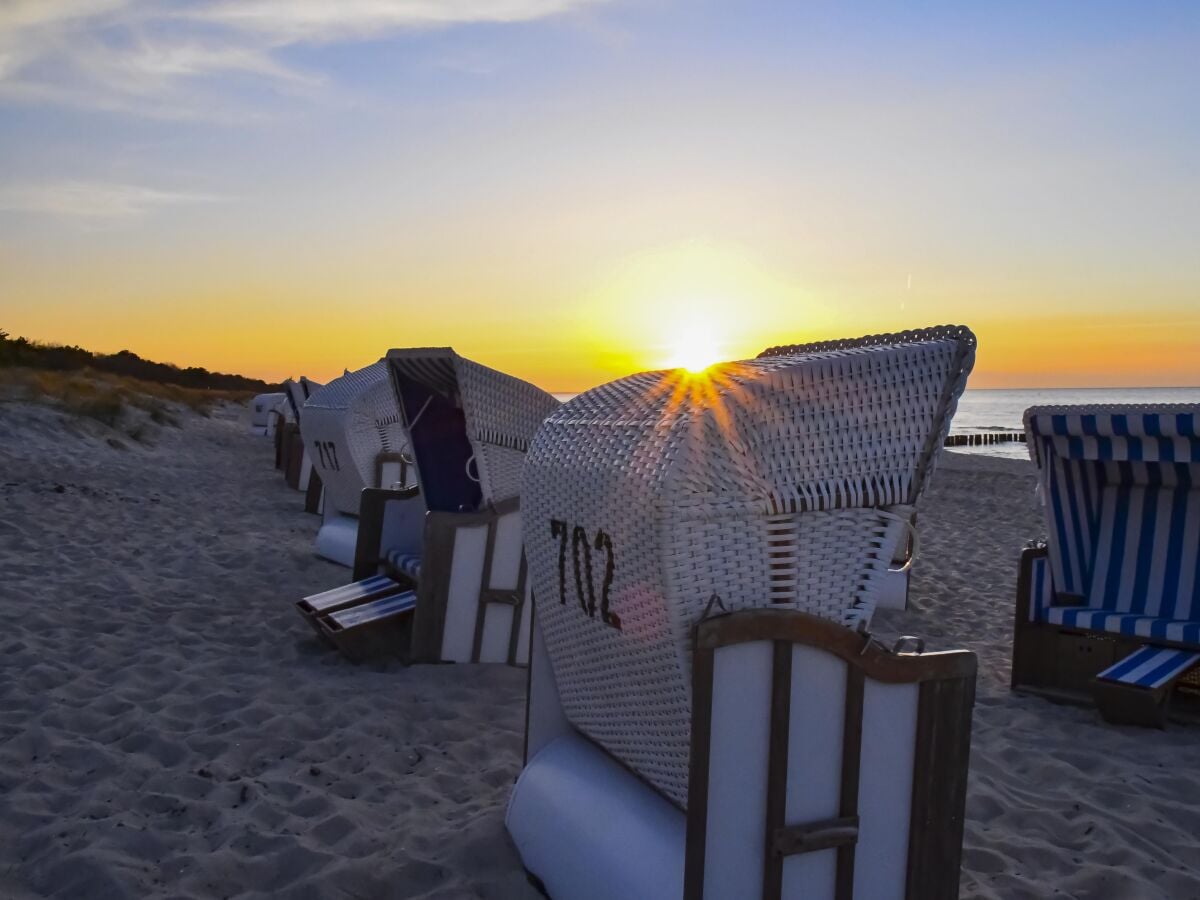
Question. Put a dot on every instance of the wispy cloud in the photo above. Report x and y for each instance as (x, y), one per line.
(169, 59)
(91, 200)
(290, 21)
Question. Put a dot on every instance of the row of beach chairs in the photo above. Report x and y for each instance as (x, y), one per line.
(688, 566)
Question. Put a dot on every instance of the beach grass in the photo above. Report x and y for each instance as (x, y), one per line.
(112, 400)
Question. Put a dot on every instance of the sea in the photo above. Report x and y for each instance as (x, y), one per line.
(1004, 409)
(981, 411)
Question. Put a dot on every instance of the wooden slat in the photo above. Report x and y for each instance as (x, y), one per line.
(485, 581)
(514, 638)
(697, 811)
(852, 726)
(777, 765)
(939, 797)
(429, 622)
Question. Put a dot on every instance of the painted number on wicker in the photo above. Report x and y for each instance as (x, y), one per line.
(327, 450)
(581, 563)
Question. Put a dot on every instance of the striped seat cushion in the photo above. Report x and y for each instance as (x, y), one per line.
(406, 563)
(1151, 667)
(1131, 624)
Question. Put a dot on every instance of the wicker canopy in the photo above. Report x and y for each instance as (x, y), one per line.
(347, 425)
(297, 391)
(469, 426)
(787, 480)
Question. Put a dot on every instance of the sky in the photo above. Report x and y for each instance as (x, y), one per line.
(572, 190)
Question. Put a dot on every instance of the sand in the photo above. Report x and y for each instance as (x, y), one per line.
(168, 724)
(170, 728)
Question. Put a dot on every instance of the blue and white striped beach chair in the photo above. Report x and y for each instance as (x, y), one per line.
(1120, 569)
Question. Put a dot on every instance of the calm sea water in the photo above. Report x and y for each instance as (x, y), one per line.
(1002, 410)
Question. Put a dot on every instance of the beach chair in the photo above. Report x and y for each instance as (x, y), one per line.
(294, 459)
(453, 546)
(356, 440)
(261, 408)
(1117, 582)
(708, 715)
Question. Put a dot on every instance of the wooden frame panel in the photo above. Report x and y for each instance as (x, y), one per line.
(1030, 656)
(433, 594)
(438, 542)
(946, 683)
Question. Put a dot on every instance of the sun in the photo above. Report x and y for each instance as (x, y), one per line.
(694, 346)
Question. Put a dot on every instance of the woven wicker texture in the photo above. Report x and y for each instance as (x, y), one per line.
(346, 425)
(501, 412)
(783, 480)
(298, 392)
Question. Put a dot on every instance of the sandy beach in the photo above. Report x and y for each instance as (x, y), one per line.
(169, 727)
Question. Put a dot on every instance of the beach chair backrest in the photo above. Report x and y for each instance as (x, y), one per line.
(348, 425)
(784, 481)
(469, 426)
(1121, 492)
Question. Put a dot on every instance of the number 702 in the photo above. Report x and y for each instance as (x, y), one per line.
(581, 559)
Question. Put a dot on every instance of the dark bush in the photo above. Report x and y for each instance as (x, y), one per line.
(31, 354)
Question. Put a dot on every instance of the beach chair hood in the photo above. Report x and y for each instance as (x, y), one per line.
(348, 425)
(784, 481)
(297, 392)
(469, 426)
(1113, 478)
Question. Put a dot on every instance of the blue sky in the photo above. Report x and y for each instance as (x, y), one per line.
(546, 170)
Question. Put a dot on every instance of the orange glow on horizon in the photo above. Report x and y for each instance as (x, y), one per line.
(685, 304)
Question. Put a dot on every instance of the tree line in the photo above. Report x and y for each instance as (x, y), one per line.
(57, 357)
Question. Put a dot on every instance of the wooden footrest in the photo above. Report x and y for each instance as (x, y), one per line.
(348, 595)
(1137, 690)
(377, 628)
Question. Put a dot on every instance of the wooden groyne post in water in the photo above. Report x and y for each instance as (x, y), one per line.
(985, 438)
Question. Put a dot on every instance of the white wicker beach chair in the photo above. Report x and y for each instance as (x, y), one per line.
(707, 717)
(1118, 580)
(290, 453)
(455, 544)
(355, 439)
(261, 408)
